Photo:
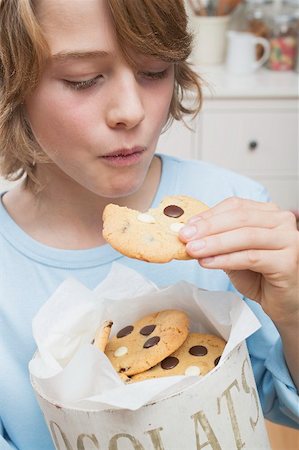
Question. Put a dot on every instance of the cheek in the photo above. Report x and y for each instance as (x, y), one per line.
(56, 118)
(161, 100)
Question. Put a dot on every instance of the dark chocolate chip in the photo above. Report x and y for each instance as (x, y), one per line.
(124, 369)
(151, 342)
(169, 363)
(198, 350)
(147, 330)
(217, 360)
(125, 331)
(173, 211)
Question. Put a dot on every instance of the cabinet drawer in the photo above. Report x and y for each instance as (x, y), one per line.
(251, 141)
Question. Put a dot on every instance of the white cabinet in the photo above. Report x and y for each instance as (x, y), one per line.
(253, 136)
(258, 138)
(179, 140)
(249, 125)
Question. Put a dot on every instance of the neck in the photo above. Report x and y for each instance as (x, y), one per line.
(65, 215)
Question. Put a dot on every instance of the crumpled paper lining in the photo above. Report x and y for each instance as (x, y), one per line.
(71, 372)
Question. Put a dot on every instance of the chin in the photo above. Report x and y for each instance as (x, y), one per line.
(122, 193)
(119, 190)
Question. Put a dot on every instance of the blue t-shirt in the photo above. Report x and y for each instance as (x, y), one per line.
(31, 271)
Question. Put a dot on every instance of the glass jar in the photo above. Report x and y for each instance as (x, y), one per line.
(256, 12)
(251, 16)
(283, 42)
(291, 7)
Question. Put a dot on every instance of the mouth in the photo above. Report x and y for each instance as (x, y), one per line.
(124, 156)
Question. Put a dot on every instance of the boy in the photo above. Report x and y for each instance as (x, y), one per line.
(86, 89)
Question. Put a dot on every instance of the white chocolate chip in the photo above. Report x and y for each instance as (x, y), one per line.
(147, 218)
(192, 370)
(121, 351)
(176, 226)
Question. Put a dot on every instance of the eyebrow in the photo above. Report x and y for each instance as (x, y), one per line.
(63, 56)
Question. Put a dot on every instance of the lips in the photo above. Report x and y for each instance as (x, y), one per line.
(123, 152)
(124, 156)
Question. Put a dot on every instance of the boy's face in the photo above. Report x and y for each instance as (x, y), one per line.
(91, 104)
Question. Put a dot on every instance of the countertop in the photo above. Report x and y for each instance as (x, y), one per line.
(263, 83)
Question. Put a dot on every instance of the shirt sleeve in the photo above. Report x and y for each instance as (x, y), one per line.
(277, 391)
(4, 443)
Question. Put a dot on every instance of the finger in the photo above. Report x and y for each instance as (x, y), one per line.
(262, 261)
(237, 240)
(234, 203)
(230, 220)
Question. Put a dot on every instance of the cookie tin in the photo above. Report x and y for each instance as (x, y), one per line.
(222, 411)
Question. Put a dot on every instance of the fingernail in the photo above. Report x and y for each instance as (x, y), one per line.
(188, 231)
(195, 246)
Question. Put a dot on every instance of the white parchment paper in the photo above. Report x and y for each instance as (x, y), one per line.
(72, 372)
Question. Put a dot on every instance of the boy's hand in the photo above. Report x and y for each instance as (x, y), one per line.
(257, 245)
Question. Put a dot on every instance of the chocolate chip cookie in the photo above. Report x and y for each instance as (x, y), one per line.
(199, 354)
(151, 236)
(102, 335)
(141, 345)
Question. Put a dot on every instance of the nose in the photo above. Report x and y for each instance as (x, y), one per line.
(126, 109)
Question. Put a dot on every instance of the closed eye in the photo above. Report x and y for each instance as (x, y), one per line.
(154, 75)
(84, 84)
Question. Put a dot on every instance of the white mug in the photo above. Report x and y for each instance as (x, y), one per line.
(241, 52)
(210, 39)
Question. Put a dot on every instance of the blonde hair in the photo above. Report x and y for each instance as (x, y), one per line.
(151, 27)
